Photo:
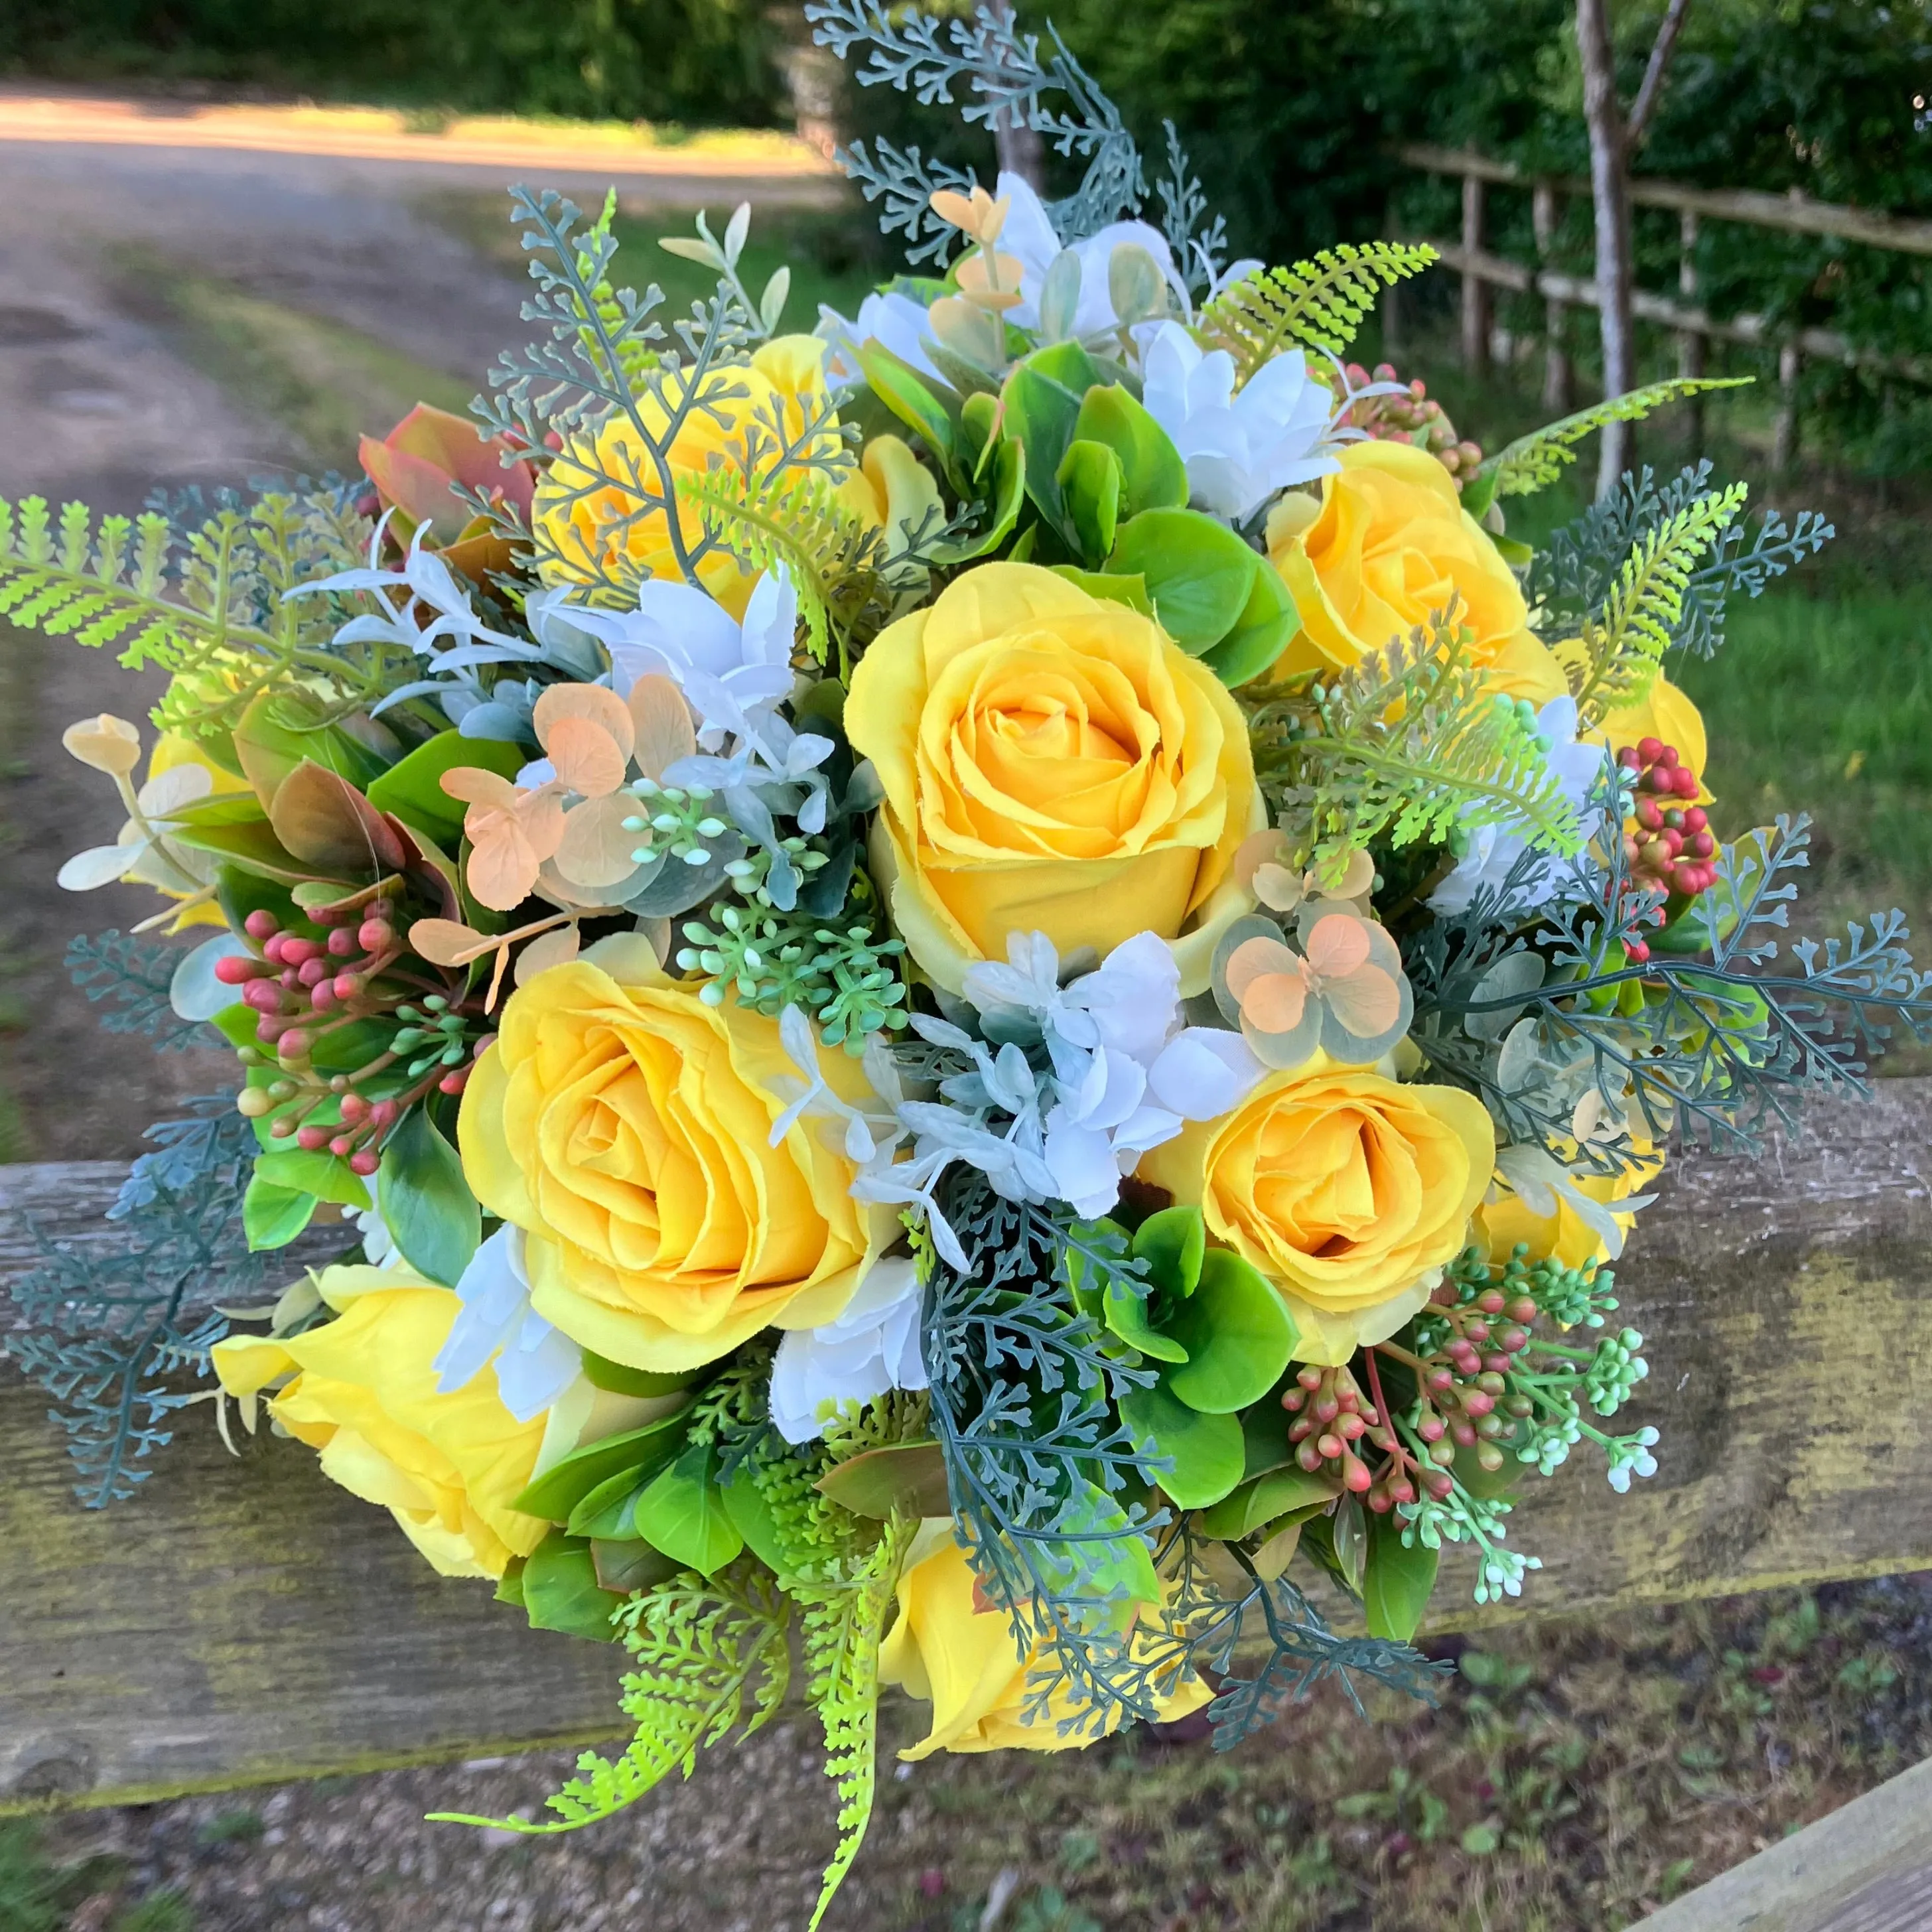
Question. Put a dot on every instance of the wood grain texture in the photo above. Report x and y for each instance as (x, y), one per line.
(1867, 1868)
(243, 1620)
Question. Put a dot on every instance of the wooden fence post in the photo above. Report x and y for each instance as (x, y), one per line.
(1784, 440)
(1391, 302)
(1475, 291)
(1558, 382)
(1689, 341)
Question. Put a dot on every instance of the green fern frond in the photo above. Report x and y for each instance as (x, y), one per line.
(1320, 302)
(899, 1415)
(1616, 660)
(635, 358)
(792, 519)
(1534, 461)
(1411, 742)
(704, 1648)
(72, 581)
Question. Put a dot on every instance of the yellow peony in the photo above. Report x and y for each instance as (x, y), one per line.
(625, 1126)
(591, 512)
(1051, 762)
(1348, 1190)
(960, 1660)
(1386, 549)
(364, 1393)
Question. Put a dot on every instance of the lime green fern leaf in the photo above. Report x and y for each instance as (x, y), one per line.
(1320, 303)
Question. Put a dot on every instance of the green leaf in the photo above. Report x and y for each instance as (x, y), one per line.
(620, 1378)
(1040, 403)
(1206, 1449)
(901, 1475)
(272, 1216)
(1153, 476)
(426, 1205)
(561, 1591)
(682, 1513)
(413, 791)
(1009, 494)
(1265, 1437)
(1089, 482)
(325, 1175)
(1267, 625)
(751, 1517)
(1130, 591)
(1173, 1243)
(251, 847)
(1237, 1335)
(1199, 574)
(1102, 1552)
(280, 729)
(903, 390)
(627, 1567)
(1263, 1499)
(1396, 1585)
(565, 1483)
(605, 1513)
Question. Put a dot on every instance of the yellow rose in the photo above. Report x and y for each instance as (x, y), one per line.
(1051, 762)
(893, 491)
(364, 1393)
(961, 1660)
(591, 512)
(1385, 549)
(1667, 713)
(1501, 1224)
(1348, 1190)
(626, 1128)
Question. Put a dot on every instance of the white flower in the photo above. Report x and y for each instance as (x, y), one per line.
(1241, 447)
(895, 322)
(379, 1245)
(194, 991)
(535, 1363)
(142, 851)
(1540, 1181)
(872, 1347)
(1029, 238)
(1494, 849)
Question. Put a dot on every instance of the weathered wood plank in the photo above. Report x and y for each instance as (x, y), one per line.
(243, 1620)
(1867, 1868)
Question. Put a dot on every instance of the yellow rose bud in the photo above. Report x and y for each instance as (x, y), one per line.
(600, 502)
(1387, 548)
(107, 743)
(364, 1393)
(962, 1661)
(626, 1127)
(1051, 762)
(1348, 1190)
(1565, 1236)
(894, 492)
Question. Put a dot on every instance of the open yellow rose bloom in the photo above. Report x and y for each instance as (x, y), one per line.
(626, 1128)
(1053, 763)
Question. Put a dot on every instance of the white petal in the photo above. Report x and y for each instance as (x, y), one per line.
(180, 785)
(98, 865)
(1203, 1072)
(1084, 1170)
(194, 992)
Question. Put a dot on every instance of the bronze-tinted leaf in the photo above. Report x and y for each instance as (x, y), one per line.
(324, 821)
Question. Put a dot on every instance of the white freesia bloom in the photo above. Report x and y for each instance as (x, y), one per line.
(535, 1363)
(1029, 238)
(895, 322)
(141, 851)
(1494, 849)
(872, 1347)
(1241, 446)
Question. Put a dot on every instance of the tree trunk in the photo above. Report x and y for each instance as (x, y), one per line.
(1610, 196)
(1018, 145)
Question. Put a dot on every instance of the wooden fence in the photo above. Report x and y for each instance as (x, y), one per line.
(1682, 313)
(241, 1620)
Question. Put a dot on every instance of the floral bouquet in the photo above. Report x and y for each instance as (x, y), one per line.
(984, 988)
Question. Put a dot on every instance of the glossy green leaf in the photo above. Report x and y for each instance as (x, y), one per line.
(561, 1591)
(1237, 1333)
(1100, 1552)
(280, 729)
(903, 1475)
(426, 1205)
(1173, 1243)
(906, 394)
(564, 1484)
(1199, 572)
(1206, 1450)
(1089, 482)
(325, 1175)
(1265, 1437)
(606, 1511)
(751, 1517)
(1041, 403)
(250, 847)
(629, 1567)
(1268, 624)
(1008, 495)
(682, 1513)
(1153, 476)
(620, 1378)
(413, 789)
(1397, 1583)
(272, 1216)
(1262, 1499)
(1116, 589)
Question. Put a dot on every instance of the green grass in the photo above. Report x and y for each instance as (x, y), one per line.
(40, 1893)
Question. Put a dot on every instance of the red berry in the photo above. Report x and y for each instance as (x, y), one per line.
(454, 1082)
(312, 972)
(1355, 1477)
(261, 924)
(1649, 750)
(342, 942)
(264, 995)
(377, 935)
(236, 970)
(355, 1109)
(1638, 951)
(348, 986)
(312, 1140)
(297, 951)
(364, 1161)
(1694, 819)
(322, 998)
(294, 1045)
(341, 1145)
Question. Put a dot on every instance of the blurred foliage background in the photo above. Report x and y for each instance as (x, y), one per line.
(1288, 111)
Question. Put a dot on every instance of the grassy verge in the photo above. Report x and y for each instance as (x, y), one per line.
(40, 1893)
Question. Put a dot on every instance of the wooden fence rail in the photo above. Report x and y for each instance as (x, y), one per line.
(242, 1620)
(1693, 324)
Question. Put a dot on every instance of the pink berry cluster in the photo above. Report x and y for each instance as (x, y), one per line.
(1413, 416)
(1667, 839)
(1466, 1379)
(296, 982)
(1334, 1423)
